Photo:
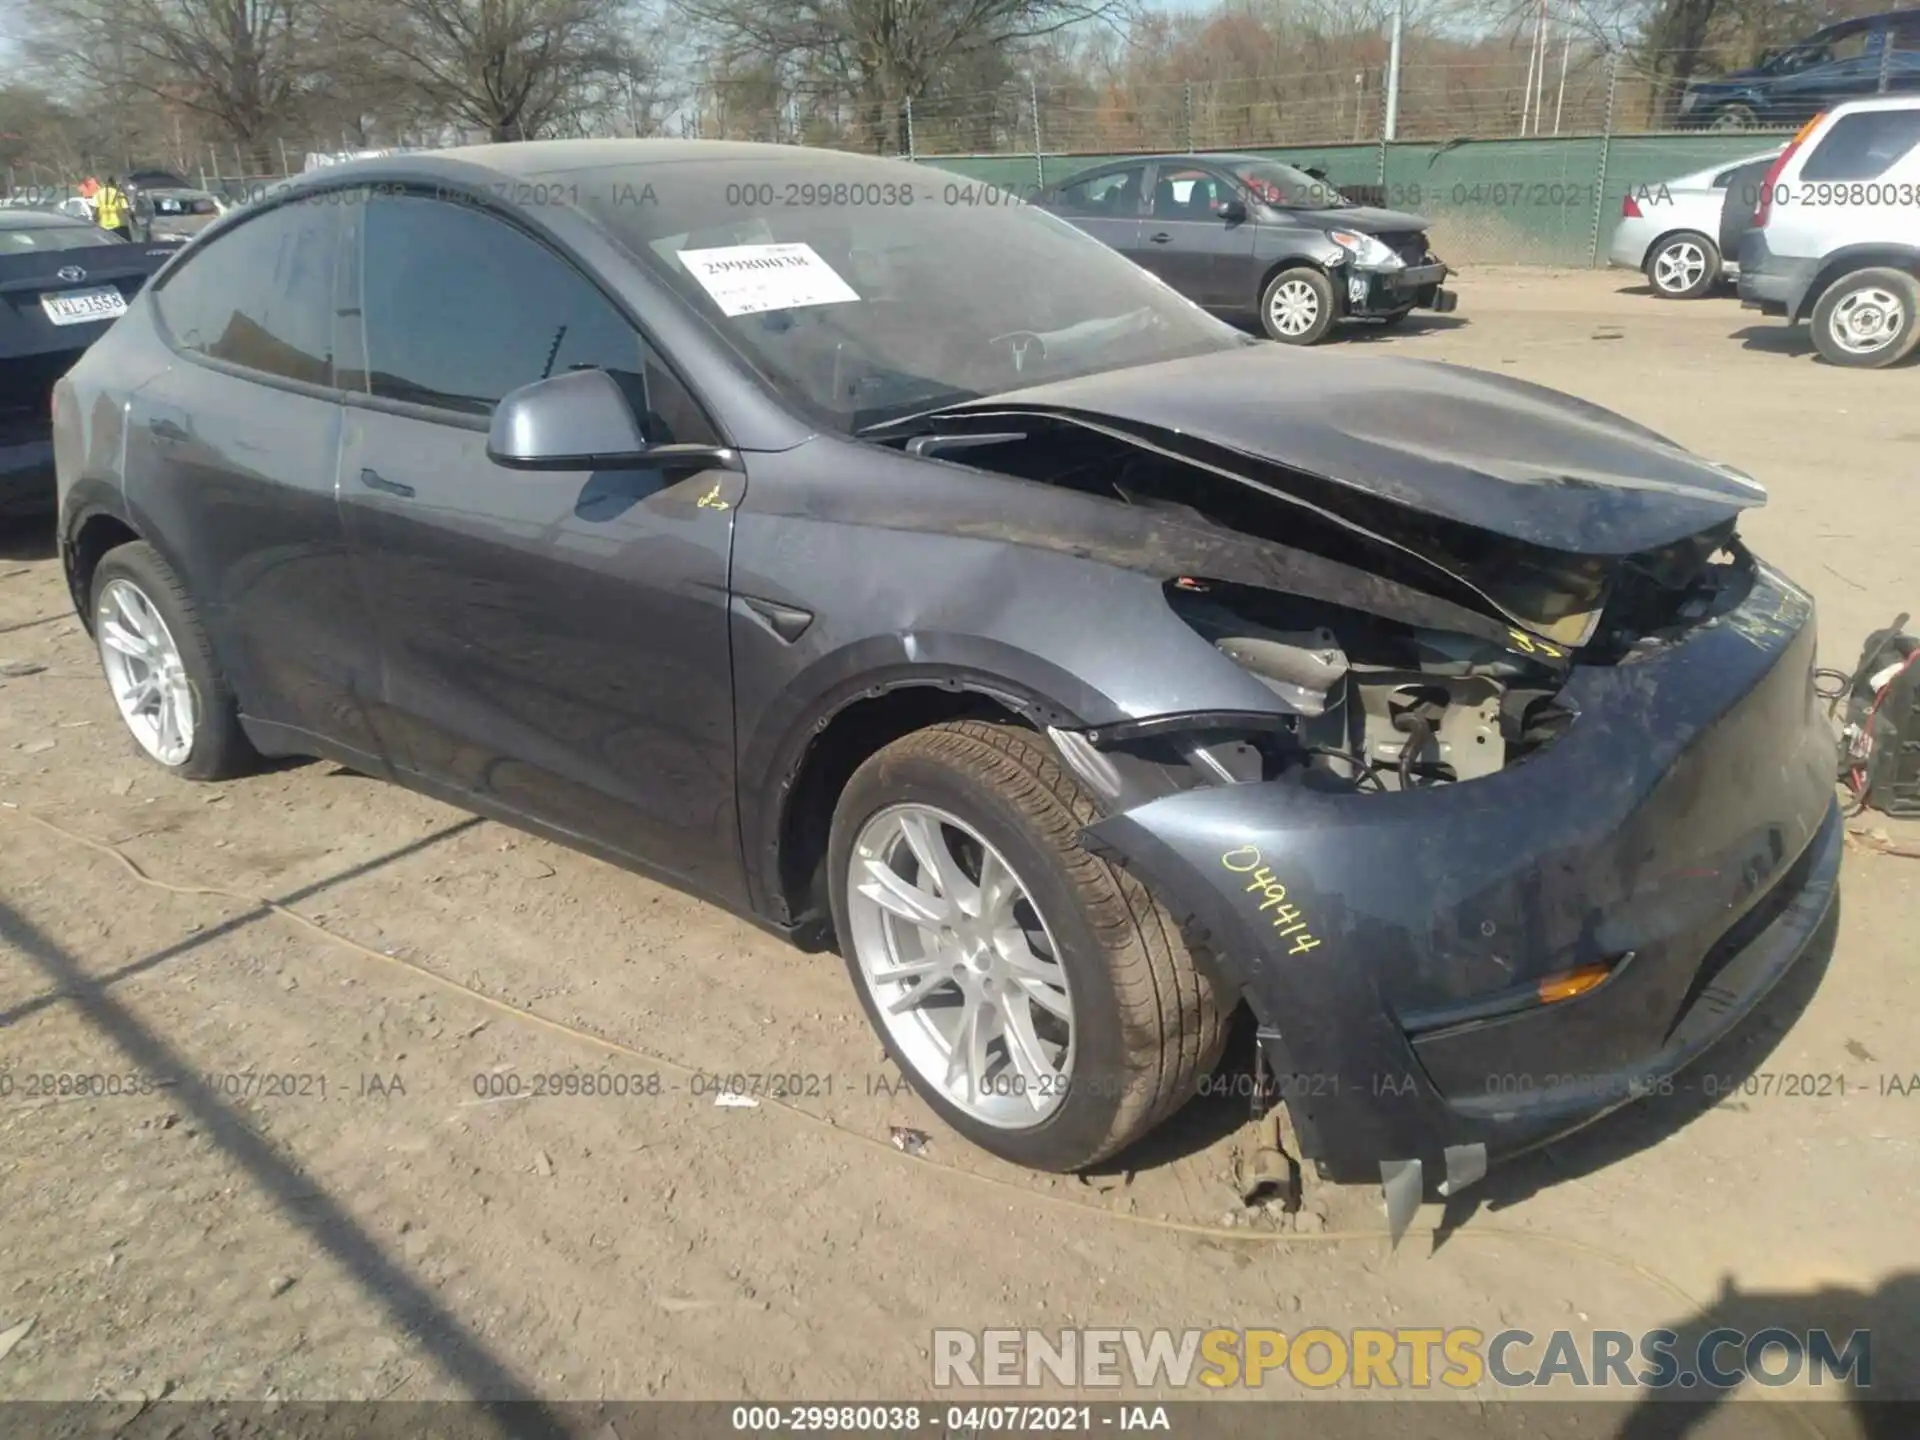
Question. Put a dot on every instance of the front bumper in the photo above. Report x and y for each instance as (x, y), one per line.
(1685, 821)
(1388, 292)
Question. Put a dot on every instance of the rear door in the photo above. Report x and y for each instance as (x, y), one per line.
(1194, 248)
(232, 459)
(1109, 205)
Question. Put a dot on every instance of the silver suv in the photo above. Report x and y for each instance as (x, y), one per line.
(1836, 239)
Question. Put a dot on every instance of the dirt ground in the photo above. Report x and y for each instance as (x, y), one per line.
(383, 1223)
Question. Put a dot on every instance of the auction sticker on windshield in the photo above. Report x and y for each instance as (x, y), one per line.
(750, 279)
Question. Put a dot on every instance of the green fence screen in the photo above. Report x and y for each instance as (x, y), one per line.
(1546, 201)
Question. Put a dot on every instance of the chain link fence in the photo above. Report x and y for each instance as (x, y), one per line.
(1518, 156)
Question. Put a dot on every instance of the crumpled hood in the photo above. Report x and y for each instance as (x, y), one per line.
(1482, 449)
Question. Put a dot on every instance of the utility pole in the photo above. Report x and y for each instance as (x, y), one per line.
(1392, 127)
(1560, 100)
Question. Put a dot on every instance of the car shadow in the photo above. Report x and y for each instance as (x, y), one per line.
(1861, 1339)
(29, 537)
(1775, 338)
(1348, 332)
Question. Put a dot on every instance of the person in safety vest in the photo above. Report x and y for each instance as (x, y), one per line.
(112, 210)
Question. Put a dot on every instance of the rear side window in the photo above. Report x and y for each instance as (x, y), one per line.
(261, 296)
(461, 308)
(1115, 193)
(1864, 146)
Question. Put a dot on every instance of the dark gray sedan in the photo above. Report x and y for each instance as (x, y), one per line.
(1248, 237)
(906, 571)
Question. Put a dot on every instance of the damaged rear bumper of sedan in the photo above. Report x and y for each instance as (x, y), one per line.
(1448, 975)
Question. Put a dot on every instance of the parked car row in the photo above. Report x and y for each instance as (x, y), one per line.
(1824, 229)
(928, 581)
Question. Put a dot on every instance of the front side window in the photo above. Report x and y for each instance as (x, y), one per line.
(261, 296)
(1189, 194)
(1286, 188)
(462, 308)
(1863, 146)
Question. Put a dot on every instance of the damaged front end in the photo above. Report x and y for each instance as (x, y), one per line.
(1523, 830)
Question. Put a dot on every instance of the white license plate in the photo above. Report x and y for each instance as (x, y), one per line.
(77, 307)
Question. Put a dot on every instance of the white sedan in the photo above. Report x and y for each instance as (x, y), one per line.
(1669, 230)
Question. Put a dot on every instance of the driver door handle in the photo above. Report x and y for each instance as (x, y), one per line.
(374, 480)
(1163, 238)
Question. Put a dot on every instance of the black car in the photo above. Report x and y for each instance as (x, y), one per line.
(62, 283)
(1251, 238)
(917, 576)
(1849, 61)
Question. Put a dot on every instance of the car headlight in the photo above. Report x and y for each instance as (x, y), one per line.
(1367, 250)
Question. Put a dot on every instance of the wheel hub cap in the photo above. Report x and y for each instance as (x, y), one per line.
(1680, 267)
(1866, 321)
(960, 966)
(1294, 308)
(147, 675)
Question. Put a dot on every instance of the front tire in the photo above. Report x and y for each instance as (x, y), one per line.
(1298, 306)
(1869, 319)
(161, 670)
(1039, 999)
(1683, 266)
(1734, 117)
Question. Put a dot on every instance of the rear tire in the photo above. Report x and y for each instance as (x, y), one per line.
(1148, 1017)
(132, 580)
(1868, 320)
(1298, 306)
(1683, 266)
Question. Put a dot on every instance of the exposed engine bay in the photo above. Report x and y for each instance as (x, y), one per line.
(1362, 700)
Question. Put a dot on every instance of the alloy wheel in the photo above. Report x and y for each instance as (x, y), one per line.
(1867, 321)
(145, 670)
(1678, 268)
(960, 966)
(1293, 307)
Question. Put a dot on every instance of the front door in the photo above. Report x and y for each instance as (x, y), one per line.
(557, 643)
(1192, 246)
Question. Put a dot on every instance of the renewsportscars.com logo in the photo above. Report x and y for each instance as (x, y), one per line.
(1403, 1358)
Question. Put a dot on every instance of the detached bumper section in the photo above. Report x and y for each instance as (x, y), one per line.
(1387, 292)
(1399, 950)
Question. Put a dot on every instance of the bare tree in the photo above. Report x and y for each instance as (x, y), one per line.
(236, 64)
(883, 54)
(511, 69)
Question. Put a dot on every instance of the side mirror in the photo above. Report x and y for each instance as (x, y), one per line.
(1234, 212)
(581, 421)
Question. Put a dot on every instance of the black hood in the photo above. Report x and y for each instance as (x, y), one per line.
(1367, 219)
(1481, 449)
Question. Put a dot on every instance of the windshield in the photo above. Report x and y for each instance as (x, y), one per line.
(865, 291)
(1272, 183)
(17, 240)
